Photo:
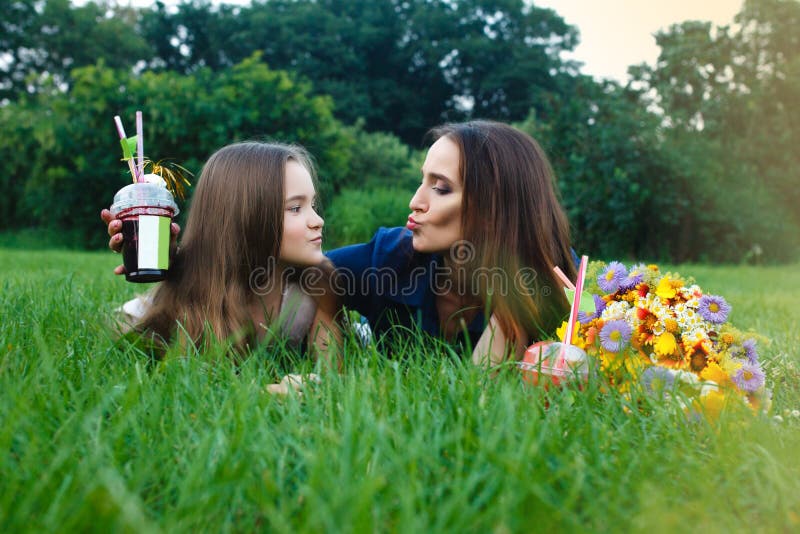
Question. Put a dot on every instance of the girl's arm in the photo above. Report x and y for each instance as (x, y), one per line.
(325, 336)
(494, 348)
(324, 341)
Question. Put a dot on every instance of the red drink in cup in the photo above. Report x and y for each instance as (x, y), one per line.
(146, 211)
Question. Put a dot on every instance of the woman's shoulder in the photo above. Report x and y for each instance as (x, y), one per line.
(393, 244)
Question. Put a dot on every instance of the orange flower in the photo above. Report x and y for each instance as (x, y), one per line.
(591, 335)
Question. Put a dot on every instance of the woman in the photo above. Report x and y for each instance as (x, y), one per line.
(251, 234)
(486, 230)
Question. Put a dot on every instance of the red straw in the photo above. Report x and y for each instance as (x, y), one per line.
(122, 136)
(140, 144)
(576, 303)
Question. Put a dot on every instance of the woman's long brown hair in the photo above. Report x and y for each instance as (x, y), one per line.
(234, 229)
(513, 220)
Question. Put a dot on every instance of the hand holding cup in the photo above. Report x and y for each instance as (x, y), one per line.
(114, 227)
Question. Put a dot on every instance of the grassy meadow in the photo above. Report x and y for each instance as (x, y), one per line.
(94, 437)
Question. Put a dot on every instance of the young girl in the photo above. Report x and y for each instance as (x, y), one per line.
(252, 234)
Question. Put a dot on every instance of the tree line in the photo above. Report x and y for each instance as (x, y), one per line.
(694, 159)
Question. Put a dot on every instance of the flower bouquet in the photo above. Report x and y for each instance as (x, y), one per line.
(662, 333)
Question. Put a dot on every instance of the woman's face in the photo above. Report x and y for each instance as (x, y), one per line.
(435, 219)
(302, 226)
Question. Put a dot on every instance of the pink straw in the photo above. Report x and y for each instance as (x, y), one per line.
(576, 303)
(140, 144)
(122, 136)
(567, 283)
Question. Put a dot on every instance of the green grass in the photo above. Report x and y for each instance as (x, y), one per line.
(94, 438)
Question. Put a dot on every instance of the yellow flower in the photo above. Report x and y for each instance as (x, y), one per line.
(714, 373)
(665, 344)
(727, 338)
(611, 362)
(713, 402)
(730, 365)
(665, 289)
(561, 333)
(635, 367)
(671, 325)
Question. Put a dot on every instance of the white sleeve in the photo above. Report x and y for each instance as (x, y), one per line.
(132, 311)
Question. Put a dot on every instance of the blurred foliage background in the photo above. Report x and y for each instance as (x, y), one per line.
(694, 159)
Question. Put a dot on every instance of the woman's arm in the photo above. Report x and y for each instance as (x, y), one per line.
(494, 347)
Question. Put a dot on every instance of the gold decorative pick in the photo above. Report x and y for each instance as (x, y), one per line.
(173, 174)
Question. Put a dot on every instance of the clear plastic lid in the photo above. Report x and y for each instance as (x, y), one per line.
(143, 195)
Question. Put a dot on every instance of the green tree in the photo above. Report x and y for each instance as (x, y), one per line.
(400, 65)
(47, 38)
(730, 101)
(622, 192)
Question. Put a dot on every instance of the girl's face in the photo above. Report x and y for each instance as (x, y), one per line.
(302, 226)
(435, 219)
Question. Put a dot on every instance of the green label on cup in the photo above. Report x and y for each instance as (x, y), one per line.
(153, 242)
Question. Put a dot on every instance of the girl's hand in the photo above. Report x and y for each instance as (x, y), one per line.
(292, 382)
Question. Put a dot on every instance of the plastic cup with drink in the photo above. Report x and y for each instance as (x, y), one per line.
(553, 363)
(146, 211)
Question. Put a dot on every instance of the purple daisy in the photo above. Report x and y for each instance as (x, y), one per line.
(750, 350)
(713, 309)
(749, 377)
(599, 306)
(633, 279)
(614, 335)
(657, 379)
(612, 276)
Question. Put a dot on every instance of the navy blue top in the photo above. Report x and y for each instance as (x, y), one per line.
(393, 286)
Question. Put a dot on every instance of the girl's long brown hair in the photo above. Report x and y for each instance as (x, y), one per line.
(234, 230)
(513, 220)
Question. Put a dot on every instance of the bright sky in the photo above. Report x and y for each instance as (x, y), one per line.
(618, 33)
(614, 33)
